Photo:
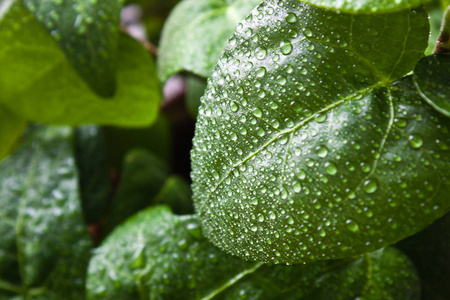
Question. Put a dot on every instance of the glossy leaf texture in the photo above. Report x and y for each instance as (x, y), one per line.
(304, 148)
(367, 6)
(432, 80)
(45, 246)
(87, 32)
(158, 255)
(188, 42)
(46, 89)
(11, 128)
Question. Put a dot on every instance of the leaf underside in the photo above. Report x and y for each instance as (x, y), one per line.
(306, 148)
(157, 255)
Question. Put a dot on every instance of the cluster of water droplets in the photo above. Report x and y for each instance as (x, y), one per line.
(291, 161)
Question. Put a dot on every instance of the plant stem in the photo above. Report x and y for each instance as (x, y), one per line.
(443, 42)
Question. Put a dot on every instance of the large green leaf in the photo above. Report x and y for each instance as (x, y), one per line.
(367, 6)
(88, 32)
(11, 127)
(432, 80)
(304, 148)
(196, 33)
(157, 255)
(39, 84)
(45, 246)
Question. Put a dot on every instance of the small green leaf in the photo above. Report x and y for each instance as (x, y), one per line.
(157, 255)
(45, 246)
(88, 33)
(432, 80)
(94, 178)
(39, 84)
(312, 149)
(176, 194)
(187, 41)
(142, 177)
(367, 6)
(11, 128)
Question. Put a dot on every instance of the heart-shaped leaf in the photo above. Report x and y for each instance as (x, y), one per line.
(187, 41)
(157, 255)
(88, 33)
(45, 247)
(367, 6)
(44, 87)
(306, 149)
(432, 80)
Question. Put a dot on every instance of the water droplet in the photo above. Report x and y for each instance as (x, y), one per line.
(320, 118)
(234, 107)
(352, 226)
(254, 228)
(261, 53)
(297, 187)
(330, 168)
(261, 72)
(415, 141)
(370, 186)
(307, 31)
(286, 47)
(322, 151)
(291, 18)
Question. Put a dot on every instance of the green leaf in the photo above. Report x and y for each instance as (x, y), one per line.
(187, 41)
(11, 128)
(176, 194)
(142, 177)
(432, 78)
(429, 250)
(94, 178)
(45, 246)
(39, 84)
(304, 144)
(157, 255)
(367, 6)
(87, 32)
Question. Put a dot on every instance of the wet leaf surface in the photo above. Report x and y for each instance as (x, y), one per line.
(45, 246)
(158, 255)
(432, 80)
(306, 147)
(367, 6)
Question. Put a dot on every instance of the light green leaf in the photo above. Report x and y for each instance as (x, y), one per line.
(306, 145)
(11, 128)
(39, 84)
(142, 177)
(157, 255)
(367, 6)
(88, 33)
(45, 246)
(196, 33)
(432, 80)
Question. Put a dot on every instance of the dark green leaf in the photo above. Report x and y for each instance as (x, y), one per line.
(429, 250)
(155, 138)
(39, 84)
(157, 255)
(142, 177)
(176, 194)
(95, 182)
(88, 32)
(432, 80)
(303, 143)
(195, 87)
(11, 128)
(196, 33)
(367, 6)
(45, 247)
